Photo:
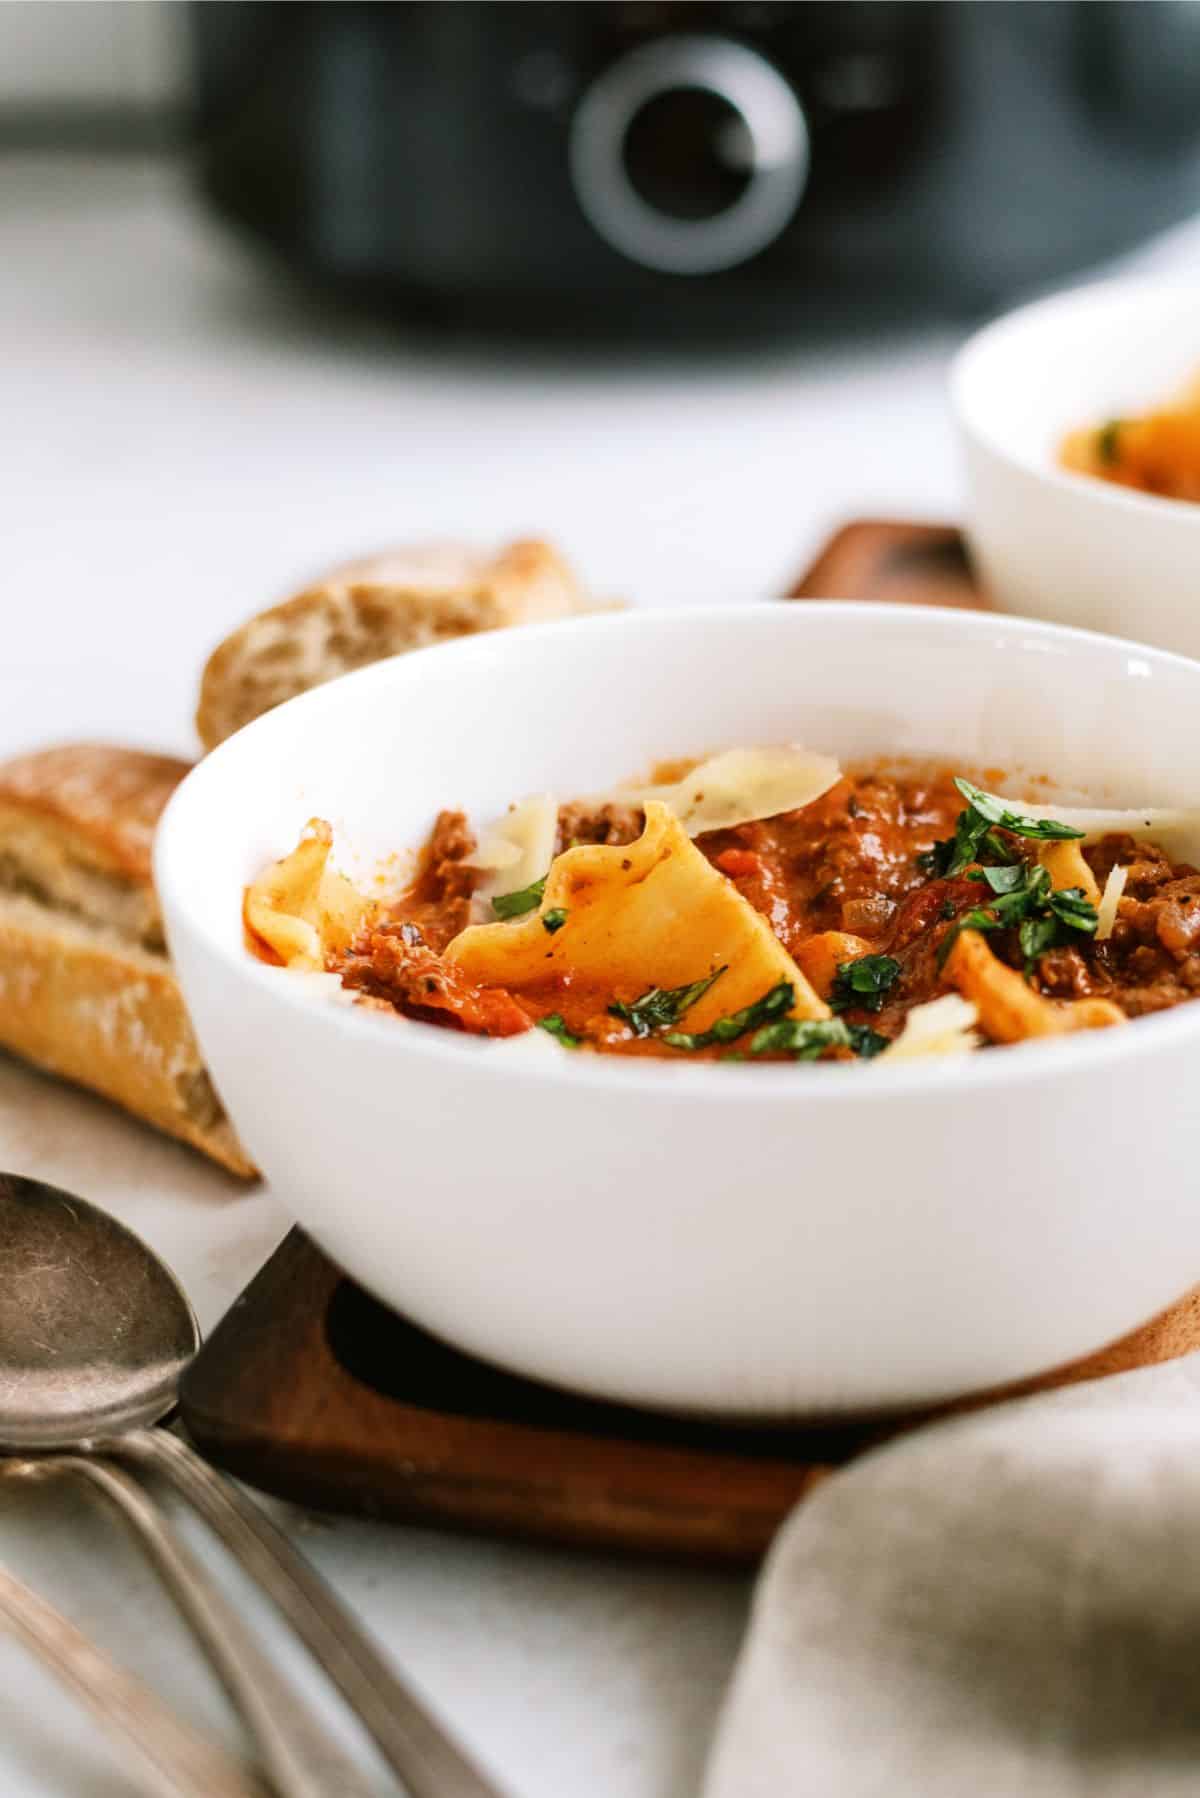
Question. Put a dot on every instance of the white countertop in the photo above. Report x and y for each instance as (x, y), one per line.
(184, 439)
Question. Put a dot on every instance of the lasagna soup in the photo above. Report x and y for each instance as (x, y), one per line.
(763, 905)
(1153, 452)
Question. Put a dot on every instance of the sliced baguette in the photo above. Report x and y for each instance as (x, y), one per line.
(382, 606)
(86, 988)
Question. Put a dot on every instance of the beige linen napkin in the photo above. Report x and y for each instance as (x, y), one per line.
(1006, 1605)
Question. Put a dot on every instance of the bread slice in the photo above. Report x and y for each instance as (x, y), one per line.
(379, 607)
(86, 988)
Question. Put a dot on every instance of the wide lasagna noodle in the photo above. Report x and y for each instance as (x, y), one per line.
(650, 913)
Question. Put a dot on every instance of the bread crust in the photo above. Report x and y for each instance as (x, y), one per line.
(107, 799)
(111, 1017)
(381, 606)
(86, 989)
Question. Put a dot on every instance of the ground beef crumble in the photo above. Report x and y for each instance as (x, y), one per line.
(393, 962)
(439, 900)
(585, 822)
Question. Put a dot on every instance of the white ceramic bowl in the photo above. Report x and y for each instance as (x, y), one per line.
(1067, 546)
(755, 1240)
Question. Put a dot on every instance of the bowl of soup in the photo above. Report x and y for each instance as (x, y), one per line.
(578, 990)
(1081, 436)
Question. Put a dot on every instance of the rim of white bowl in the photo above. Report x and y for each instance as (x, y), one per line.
(1013, 325)
(772, 1083)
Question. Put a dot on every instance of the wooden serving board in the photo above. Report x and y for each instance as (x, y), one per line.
(889, 559)
(312, 1390)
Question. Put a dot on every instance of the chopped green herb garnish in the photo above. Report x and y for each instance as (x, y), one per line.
(1106, 440)
(515, 905)
(1002, 880)
(996, 812)
(1025, 899)
(803, 1038)
(975, 831)
(554, 919)
(864, 982)
(1035, 936)
(946, 909)
(662, 1005)
(806, 1039)
(1072, 907)
(772, 1005)
(963, 847)
(1000, 850)
(553, 1023)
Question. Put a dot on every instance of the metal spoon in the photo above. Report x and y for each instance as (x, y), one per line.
(75, 1328)
(95, 1335)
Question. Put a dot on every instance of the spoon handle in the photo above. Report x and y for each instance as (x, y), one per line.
(164, 1753)
(413, 1743)
(300, 1759)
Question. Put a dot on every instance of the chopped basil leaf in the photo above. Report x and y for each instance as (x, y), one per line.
(808, 1038)
(864, 982)
(986, 806)
(975, 831)
(946, 910)
(804, 1038)
(1106, 441)
(554, 919)
(963, 847)
(1024, 898)
(865, 1041)
(1036, 935)
(662, 1005)
(1000, 850)
(1002, 880)
(772, 1005)
(515, 905)
(553, 1023)
(1072, 907)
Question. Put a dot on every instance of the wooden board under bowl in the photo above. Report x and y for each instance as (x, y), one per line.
(312, 1390)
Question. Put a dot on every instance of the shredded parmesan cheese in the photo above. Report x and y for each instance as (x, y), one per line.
(1106, 911)
(518, 850)
(943, 1026)
(742, 785)
(1175, 830)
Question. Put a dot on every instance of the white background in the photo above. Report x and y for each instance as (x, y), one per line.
(182, 441)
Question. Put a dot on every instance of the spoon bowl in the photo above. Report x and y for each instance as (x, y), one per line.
(95, 1332)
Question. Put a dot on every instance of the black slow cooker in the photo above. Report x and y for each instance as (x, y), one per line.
(743, 166)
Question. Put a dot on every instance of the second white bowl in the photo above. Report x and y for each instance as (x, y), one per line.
(1064, 546)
